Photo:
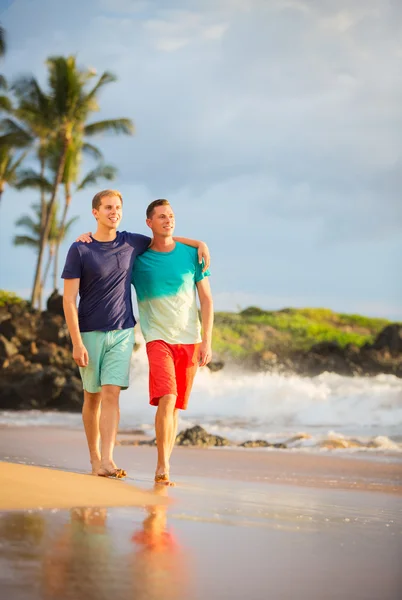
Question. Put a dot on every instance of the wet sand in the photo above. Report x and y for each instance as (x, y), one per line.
(27, 487)
(240, 525)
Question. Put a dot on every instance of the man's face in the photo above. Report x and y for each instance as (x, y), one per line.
(162, 221)
(109, 212)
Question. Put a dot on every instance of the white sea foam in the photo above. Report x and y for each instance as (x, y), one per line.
(273, 407)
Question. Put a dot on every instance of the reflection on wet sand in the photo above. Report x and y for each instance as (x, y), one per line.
(84, 561)
(78, 562)
(159, 565)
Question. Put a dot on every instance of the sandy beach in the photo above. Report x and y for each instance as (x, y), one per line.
(251, 523)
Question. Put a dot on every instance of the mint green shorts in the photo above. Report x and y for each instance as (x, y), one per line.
(109, 359)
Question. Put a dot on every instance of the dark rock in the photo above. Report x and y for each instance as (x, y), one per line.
(147, 442)
(131, 432)
(53, 328)
(46, 353)
(24, 385)
(55, 304)
(197, 436)
(327, 349)
(7, 348)
(4, 313)
(215, 366)
(256, 444)
(390, 338)
(21, 327)
(20, 309)
(71, 397)
(8, 328)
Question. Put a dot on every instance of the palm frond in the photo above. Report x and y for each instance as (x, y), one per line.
(27, 222)
(5, 104)
(125, 126)
(14, 134)
(103, 80)
(92, 151)
(29, 179)
(26, 240)
(101, 172)
(12, 167)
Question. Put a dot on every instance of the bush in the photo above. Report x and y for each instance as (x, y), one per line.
(9, 298)
(252, 311)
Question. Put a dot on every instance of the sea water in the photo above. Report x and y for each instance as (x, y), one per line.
(362, 412)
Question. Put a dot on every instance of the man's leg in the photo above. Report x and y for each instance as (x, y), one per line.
(165, 430)
(115, 373)
(90, 417)
(174, 433)
(109, 422)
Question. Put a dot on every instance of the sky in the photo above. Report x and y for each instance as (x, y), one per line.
(274, 127)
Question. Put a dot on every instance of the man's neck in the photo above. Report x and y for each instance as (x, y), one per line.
(104, 234)
(163, 244)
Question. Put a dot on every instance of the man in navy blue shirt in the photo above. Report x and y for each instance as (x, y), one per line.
(101, 329)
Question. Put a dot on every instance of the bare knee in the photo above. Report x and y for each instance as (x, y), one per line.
(110, 394)
(92, 401)
(167, 404)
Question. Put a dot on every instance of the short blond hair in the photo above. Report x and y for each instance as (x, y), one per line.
(97, 199)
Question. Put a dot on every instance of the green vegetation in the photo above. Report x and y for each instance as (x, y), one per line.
(253, 330)
(9, 298)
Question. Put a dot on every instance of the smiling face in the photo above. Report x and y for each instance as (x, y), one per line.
(162, 221)
(109, 212)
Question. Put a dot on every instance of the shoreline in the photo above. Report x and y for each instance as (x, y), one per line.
(66, 449)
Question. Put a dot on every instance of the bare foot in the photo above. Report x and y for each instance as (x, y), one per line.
(163, 479)
(110, 470)
(96, 463)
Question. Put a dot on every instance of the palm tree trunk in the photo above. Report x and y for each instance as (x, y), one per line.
(61, 234)
(45, 233)
(49, 262)
(42, 194)
(56, 267)
(42, 222)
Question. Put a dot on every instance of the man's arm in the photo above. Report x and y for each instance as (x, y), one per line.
(203, 250)
(207, 320)
(71, 287)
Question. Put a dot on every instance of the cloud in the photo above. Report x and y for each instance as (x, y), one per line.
(174, 30)
(274, 127)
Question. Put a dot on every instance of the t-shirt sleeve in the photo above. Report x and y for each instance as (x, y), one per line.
(72, 268)
(139, 242)
(199, 275)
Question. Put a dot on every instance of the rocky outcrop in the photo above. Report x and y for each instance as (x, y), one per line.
(36, 366)
(197, 436)
(37, 370)
(383, 356)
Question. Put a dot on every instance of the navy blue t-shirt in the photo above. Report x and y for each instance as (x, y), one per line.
(104, 270)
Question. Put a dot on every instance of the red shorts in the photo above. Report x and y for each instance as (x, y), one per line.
(172, 368)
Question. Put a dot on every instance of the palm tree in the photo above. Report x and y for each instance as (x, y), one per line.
(10, 161)
(68, 107)
(32, 236)
(2, 41)
(5, 103)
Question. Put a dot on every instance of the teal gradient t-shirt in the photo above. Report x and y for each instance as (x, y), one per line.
(165, 283)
